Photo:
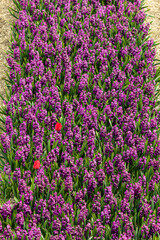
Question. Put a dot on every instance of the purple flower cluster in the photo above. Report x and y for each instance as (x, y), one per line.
(82, 62)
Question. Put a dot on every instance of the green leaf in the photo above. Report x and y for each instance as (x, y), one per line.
(110, 122)
(48, 146)
(5, 156)
(15, 199)
(32, 184)
(3, 120)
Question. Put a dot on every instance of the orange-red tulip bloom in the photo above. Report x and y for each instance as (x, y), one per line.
(58, 126)
(36, 164)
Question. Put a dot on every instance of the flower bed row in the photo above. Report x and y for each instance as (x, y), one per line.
(81, 137)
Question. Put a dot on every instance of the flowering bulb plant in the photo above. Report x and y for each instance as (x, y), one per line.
(82, 113)
(36, 164)
(58, 126)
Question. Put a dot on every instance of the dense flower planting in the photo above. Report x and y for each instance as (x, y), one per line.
(81, 138)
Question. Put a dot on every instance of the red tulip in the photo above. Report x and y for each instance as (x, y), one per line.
(36, 164)
(58, 126)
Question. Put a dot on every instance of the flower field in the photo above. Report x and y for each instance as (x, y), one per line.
(81, 125)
